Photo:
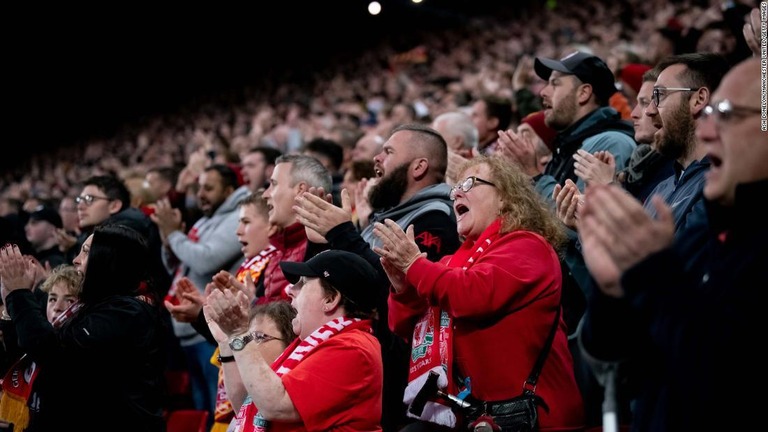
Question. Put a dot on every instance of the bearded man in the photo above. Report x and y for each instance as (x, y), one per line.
(410, 190)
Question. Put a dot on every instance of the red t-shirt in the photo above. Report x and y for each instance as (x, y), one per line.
(337, 386)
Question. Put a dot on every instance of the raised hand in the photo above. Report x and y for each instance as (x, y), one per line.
(518, 150)
(521, 78)
(167, 218)
(229, 310)
(190, 302)
(41, 271)
(223, 280)
(568, 200)
(65, 241)
(455, 162)
(317, 213)
(398, 246)
(594, 169)
(362, 206)
(619, 233)
(216, 331)
(395, 275)
(16, 270)
(751, 31)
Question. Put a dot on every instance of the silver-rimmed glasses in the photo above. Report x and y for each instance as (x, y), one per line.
(724, 111)
(467, 184)
(88, 199)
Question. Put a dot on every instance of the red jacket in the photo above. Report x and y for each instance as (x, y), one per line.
(291, 244)
(503, 307)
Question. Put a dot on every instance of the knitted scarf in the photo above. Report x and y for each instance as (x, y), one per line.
(223, 412)
(18, 381)
(288, 360)
(432, 342)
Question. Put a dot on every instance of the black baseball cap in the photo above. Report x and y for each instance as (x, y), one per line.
(350, 274)
(588, 68)
(43, 213)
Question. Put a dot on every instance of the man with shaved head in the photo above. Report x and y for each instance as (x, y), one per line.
(411, 191)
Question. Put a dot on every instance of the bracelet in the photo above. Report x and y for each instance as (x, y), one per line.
(226, 359)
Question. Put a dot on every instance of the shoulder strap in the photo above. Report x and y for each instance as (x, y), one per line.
(530, 383)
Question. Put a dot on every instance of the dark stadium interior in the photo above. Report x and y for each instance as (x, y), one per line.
(76, 73)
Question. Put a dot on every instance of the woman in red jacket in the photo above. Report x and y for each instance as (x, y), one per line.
(480, 317)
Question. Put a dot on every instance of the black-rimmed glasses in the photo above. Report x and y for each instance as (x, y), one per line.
(724, 111)
(468, 184)
(263, 337)
(660, 93)
(88, 199)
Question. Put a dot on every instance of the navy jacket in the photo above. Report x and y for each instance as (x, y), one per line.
(698, 313)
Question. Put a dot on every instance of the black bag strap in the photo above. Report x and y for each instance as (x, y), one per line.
(529, 386)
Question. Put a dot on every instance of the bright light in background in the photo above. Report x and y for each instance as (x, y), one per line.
(374, 8)
(416, 1)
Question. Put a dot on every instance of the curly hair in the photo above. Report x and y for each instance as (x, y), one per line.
(66, 274)
(522, 207)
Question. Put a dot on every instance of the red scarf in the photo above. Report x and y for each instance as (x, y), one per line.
(18, 381)
(254, 267)
(428, 354)
(248, 418)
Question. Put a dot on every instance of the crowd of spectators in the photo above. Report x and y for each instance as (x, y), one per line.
(357, 158)
(444, 71)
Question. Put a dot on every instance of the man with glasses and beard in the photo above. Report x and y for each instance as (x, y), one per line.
(682, 90)
(680, 96)
(411, 190)
(699, 300)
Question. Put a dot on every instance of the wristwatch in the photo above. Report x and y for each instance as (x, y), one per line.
(237, 343)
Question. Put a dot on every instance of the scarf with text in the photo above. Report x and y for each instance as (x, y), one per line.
(288, 360)
(428, 354)
(17, 383)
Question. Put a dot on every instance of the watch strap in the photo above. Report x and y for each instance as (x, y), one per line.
(226, 359)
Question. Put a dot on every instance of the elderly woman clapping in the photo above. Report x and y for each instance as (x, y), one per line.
(331, 376)
(481, 316)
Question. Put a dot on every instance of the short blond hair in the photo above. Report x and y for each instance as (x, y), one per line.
(66, 274)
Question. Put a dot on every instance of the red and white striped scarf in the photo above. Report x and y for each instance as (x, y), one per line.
(248, 418)
(432, 342)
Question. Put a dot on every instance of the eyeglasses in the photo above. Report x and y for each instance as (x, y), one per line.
(724, 111)
(660, 93)
(89, 199)
(263, 337)
(468, 184)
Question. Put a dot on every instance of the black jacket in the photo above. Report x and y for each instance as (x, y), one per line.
(700, 325)
(106, 362)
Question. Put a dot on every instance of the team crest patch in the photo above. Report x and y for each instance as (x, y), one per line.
(423, 339)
